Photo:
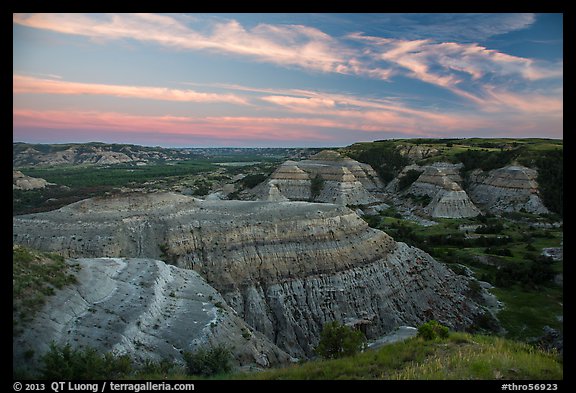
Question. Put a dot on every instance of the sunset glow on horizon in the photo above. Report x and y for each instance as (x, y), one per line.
(285, 80)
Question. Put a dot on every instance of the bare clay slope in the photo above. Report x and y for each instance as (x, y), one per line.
(285, 267)
(143, 308)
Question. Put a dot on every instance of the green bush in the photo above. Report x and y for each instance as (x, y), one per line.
(208, 361)
(432, 330)
(65, 363)
(337, 340)
(162, 367)
(316, 186)
(251, 181)
(410, 177)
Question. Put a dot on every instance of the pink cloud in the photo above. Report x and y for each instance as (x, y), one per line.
(26, 84)
(534, 103)
(300, 102)
(245, 128)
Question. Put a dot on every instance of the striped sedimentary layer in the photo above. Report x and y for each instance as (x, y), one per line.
(286, 268)
(512, 188)
(343, 181)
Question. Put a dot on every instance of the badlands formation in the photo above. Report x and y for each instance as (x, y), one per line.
(441, 182)
(507, 189)
(283, 268)
(146, 309)
(341, 180)
(165, 273)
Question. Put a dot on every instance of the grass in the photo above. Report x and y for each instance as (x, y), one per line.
(485, 358)
(460, 356)
(527, 312)
(35, 276)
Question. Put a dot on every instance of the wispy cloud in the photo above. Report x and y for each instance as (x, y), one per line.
(450, 27)
(286, 45)
(26, 84)
(459, 68)
(310, 48)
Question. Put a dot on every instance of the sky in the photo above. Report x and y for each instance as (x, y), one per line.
(285, 80)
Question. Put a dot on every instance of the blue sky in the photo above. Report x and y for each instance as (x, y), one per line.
(285, 79)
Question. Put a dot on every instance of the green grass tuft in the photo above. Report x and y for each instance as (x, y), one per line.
(458, 357)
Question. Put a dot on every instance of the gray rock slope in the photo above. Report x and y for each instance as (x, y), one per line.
(441, 182)
(344, 181)
(507, 189)
(22, 182)
(285, 267)
(145, 309)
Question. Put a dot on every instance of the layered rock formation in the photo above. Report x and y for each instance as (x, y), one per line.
(417, 152)
(508, 189)
(340, 180)
(145, 309)
(286, 268)
(440, 181)
(22, 182)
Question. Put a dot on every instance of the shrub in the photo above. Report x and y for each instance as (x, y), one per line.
(432, 330)
(162, 367)
(251, 181)
(337, 340)
(208, 361)
(65, 363)
(410, 177)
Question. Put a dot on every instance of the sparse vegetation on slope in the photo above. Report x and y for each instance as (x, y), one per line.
(35, 276)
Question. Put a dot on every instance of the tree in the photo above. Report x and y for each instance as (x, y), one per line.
(316, 186)
(410, 177)
(337, 340)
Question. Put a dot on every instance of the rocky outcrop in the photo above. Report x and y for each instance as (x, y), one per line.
(145, 309)
(508, 189)
(286, 268)
(452, 204)
(340, 180)
(417, 152)
(72, 155)
(22, 182)
(441, 182)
